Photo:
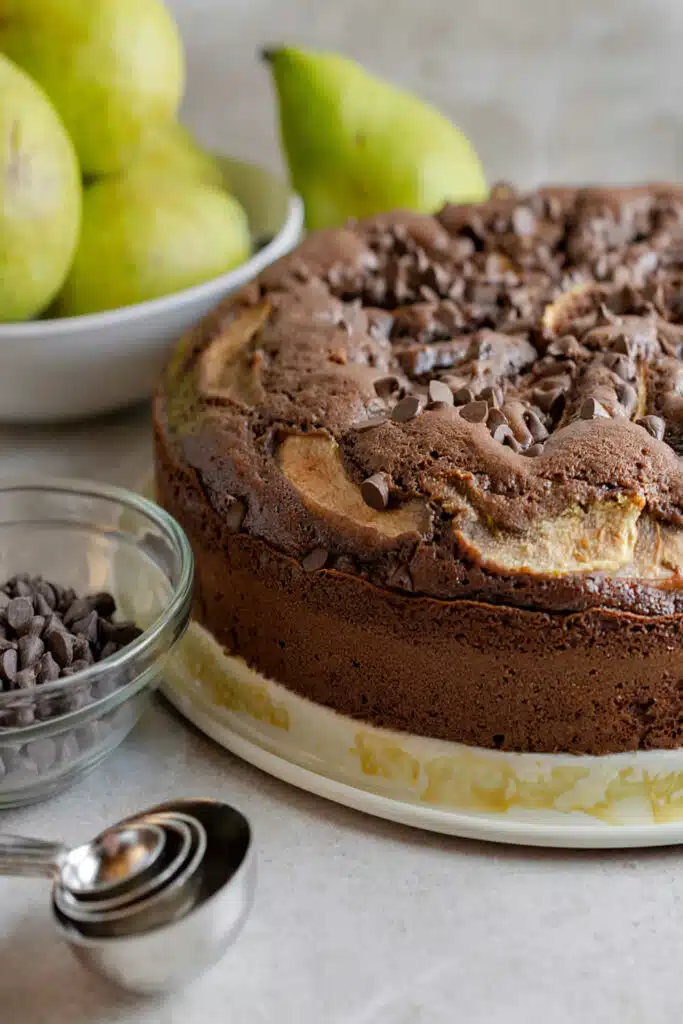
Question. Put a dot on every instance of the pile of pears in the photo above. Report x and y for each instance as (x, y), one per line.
(105, 200)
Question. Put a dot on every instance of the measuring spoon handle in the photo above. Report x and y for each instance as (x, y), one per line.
(29, 858)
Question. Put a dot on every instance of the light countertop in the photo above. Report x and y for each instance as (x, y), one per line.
(356, 921)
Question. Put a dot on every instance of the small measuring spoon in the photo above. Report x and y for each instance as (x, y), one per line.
(116, 861)
(152, 905)
(181, 842)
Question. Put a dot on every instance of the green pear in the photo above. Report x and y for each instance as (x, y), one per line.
(143, 237)
(171, 149)
(110, 67)
(356, 145)
(40, 197)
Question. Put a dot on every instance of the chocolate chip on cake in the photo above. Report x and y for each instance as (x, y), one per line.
(315, 559)
(627, 398)
(492, 396)
(407, 409)
(375, 491)
(495, 418)
(463, 396)
(440, 392)
(654, 425)
(475, 412)
(591, 409)
(523, 221)
(535, 426)
(370, 424)
(387, 386)
(621, 365)
(504, 435)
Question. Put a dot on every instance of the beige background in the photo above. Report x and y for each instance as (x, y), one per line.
(546, 89)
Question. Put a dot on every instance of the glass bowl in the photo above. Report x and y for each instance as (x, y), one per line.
(91, 537)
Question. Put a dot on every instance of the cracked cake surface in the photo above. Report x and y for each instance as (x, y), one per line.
(478, 413)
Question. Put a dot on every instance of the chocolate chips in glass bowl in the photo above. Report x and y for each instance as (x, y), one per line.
(47, 633)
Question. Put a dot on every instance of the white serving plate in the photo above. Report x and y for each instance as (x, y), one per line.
(74, 367)
(622, 800)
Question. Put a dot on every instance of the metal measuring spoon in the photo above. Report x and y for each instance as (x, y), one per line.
(159, 901)
(183, 945)
(117, 860)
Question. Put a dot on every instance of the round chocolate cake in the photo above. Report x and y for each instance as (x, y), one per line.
(430, 471)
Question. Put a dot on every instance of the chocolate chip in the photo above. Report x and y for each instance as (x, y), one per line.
(523, 221)
(48, 669)
(65, 597)
(654, 425)
(122, 633)
(30, 649)
(315, 559)
(504, 435)
(624, 367)
(535, 451)
(8, 665)
(81, 648)
(25, 679)
(103, 603)
(591, 409)
(375, 491)
(475, 412)
(557, 406)
(440, 392)
(44, 596)
(76, 610)
(627, 398)
(545, 397)
(564, 347)
(41, 605)
(385, 387)
(370, 424)
(20, 614)
(535, 426)
(493, 396)
(109, 648)
(624, 345)
(407, 409)
(87, 627)
(60, 645)
(52, 623)
(463, 396)
(496, 418)
(37, 625)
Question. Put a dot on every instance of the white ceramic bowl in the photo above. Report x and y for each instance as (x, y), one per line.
(81, 366)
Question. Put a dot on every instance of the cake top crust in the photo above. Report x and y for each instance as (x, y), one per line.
(486, 403)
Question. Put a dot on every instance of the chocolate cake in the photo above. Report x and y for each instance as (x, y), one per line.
(429, 467)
